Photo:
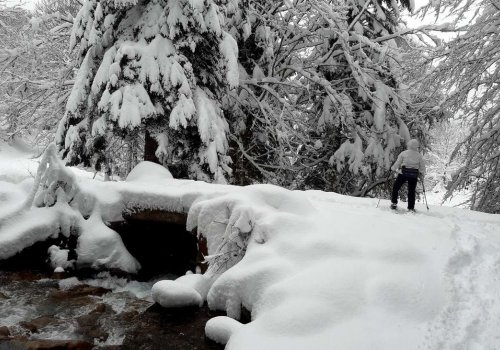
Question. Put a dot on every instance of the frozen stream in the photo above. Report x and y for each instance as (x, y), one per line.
(101, 313)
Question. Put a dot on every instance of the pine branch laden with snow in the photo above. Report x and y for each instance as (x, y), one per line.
(321, 87)
(161, 66)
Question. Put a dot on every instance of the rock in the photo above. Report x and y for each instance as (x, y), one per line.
(89, 326)
(59, 275)
(26, 344)
(151, 329)
(29, 326)
(4, 332)
(76, 296)
(26, 275)
(79, 291)
(184, 328)
(100, 308)
(38, 323)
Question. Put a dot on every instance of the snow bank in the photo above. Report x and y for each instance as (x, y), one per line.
(57, 205)
(58, 202)
(28, 228)
(316, 270)
(347, 275)
(16, 164)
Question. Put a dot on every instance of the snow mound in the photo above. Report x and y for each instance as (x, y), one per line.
(221, 328)
(172, 294)
(15, 164)
(149, 172)
(319, 270)
(316, 270)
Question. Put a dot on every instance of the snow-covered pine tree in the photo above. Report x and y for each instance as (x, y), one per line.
(152, 68)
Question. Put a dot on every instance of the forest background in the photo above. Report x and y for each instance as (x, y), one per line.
(314, 94)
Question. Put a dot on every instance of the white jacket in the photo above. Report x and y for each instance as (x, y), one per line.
(410, 159)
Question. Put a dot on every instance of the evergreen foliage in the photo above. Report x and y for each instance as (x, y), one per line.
(304, 94)
(159, 66)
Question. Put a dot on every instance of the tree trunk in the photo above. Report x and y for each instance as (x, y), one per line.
(150, 146)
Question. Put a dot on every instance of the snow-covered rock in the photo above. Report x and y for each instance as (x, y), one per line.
(172, 294)
(59, 258)
(200, 283)
(221, 328)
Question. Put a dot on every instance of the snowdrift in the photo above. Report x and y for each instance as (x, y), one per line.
(316, 270)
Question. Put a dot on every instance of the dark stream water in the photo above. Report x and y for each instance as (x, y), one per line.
(38, 311)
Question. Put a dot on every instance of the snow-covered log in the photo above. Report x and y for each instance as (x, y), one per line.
(61, 204)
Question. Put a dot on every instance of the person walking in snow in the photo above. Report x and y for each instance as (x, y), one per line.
(409, 166)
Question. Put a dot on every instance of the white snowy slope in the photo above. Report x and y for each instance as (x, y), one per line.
(316, 270)
(324, 271)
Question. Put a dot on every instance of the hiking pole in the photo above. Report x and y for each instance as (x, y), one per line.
(378, 202)
(425, 197)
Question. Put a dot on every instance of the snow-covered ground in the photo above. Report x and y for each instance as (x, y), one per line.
(316, 270)
(435, 196)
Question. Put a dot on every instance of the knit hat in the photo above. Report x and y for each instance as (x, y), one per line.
(413, 144)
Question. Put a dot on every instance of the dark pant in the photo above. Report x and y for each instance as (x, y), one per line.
(412, 185)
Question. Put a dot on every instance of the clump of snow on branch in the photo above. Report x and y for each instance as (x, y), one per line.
(213, 129)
